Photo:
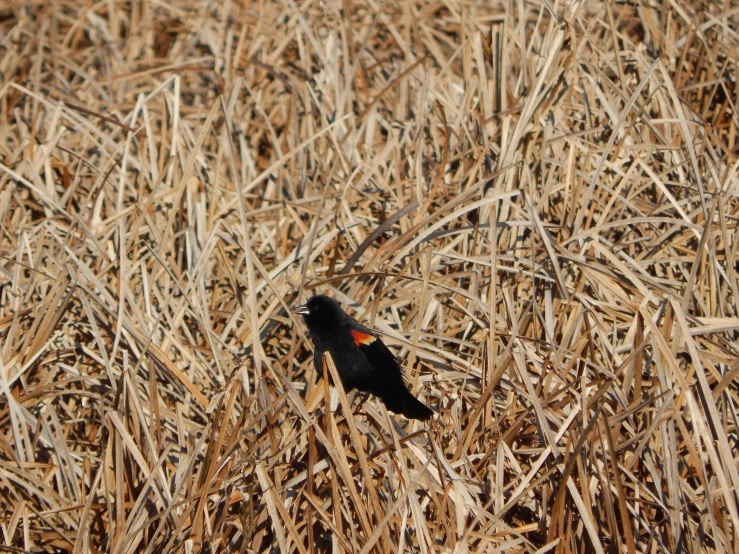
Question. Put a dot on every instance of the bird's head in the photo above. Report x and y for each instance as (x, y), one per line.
(322, 312)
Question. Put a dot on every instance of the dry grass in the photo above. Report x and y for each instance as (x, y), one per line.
(175, 175)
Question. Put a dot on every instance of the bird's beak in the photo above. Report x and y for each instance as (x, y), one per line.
(302, 310)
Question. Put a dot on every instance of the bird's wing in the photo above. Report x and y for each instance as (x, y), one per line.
(388, 379)
(378, 355)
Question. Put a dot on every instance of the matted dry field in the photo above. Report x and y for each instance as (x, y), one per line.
(535, 201)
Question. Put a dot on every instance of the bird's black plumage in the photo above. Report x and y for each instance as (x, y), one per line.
(362, 360)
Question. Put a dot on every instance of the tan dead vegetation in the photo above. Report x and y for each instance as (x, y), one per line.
(175, 175)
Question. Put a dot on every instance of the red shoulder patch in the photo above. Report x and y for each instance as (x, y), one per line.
(362, 338)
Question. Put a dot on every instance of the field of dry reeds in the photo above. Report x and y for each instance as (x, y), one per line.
(535, 201)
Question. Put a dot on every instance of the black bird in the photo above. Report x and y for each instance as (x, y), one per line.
(362, 360)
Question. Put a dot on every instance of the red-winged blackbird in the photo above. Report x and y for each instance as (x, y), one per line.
(362, 360)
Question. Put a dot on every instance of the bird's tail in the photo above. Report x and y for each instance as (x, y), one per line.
(401, 401)
(415, 409)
